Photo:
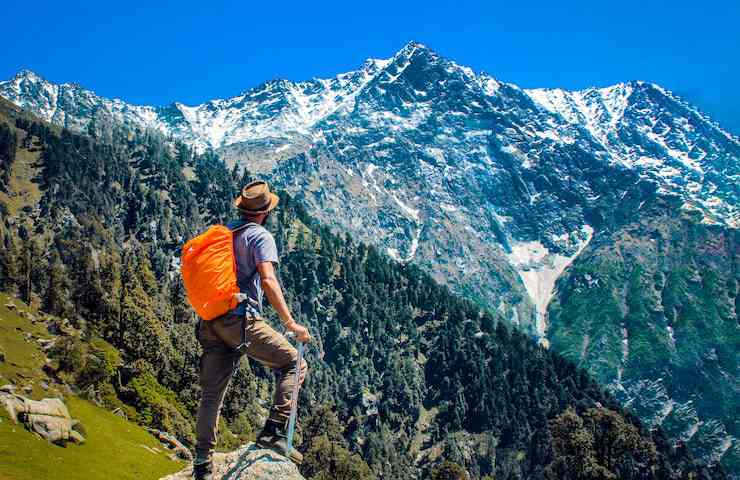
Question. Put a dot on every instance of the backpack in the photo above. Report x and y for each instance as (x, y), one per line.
(209, 272)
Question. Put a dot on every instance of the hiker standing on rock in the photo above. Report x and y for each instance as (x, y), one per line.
(243, 331)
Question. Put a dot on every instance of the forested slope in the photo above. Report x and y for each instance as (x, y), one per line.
(403, 372)
(652, 309)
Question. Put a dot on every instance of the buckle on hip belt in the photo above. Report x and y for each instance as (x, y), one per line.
(247, 320)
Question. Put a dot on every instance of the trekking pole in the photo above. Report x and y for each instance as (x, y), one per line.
(294, 398)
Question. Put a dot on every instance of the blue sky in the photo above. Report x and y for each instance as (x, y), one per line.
(192, 51)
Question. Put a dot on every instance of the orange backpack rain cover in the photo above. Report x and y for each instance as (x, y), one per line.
(209, 272)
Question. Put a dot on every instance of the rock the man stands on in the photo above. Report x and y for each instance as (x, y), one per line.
(244, 331)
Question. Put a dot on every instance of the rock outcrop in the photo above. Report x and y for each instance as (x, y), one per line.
(247, 463)
(49, 417)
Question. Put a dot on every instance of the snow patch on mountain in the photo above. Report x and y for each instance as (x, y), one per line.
(395, 254)
(538, 269)
(625, 354)
(413, 213)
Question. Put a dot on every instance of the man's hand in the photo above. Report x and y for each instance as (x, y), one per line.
(301, 332)
(274, 293)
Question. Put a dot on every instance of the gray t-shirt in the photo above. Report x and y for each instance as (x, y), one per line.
(252, 245)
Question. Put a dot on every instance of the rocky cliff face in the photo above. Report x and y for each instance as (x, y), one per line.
(494, 189)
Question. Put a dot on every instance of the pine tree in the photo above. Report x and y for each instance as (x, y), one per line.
(8, 144)
(140, 332)
(31, 266)
(57, 291)
(9, 260)
(110, 278)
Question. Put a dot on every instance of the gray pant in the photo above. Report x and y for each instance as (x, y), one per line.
(219, 339)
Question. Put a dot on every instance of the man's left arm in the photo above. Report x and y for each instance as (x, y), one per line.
(274, 293)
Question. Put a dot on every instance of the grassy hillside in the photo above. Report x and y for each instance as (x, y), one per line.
(24, 358)
(114, 447)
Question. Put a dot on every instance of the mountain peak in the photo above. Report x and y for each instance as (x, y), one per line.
(27, 74)
(413, 44)
(413, 48)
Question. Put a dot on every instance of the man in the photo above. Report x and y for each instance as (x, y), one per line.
(244, 331)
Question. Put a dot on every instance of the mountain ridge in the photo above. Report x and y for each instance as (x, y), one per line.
(290, 111)
(369, 64)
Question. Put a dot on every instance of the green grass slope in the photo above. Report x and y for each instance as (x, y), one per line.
(114, 448)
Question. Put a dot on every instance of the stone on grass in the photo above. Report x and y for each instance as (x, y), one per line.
(49, 417)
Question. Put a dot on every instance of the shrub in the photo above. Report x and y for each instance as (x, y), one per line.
(101, 363)
(449, 471)
(70, 352)
(327, 460)
(158, 406)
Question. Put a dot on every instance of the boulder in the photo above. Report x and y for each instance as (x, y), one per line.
(53, 429)
(10, 306)
(46, 344)
(249, 462)
(49, 417)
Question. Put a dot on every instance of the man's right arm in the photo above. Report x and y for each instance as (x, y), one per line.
(274, 294)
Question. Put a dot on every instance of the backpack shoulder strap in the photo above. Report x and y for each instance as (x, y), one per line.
(243, 296)
(244, 227)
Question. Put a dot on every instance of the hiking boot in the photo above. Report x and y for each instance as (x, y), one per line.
(274, 437)
(203, 470)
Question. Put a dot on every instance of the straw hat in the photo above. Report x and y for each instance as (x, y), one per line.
(256, 198)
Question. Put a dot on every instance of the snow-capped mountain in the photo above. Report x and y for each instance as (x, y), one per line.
(277, 108)
(649, 129)
(418, 123)
(639, 125)
(494, 189)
